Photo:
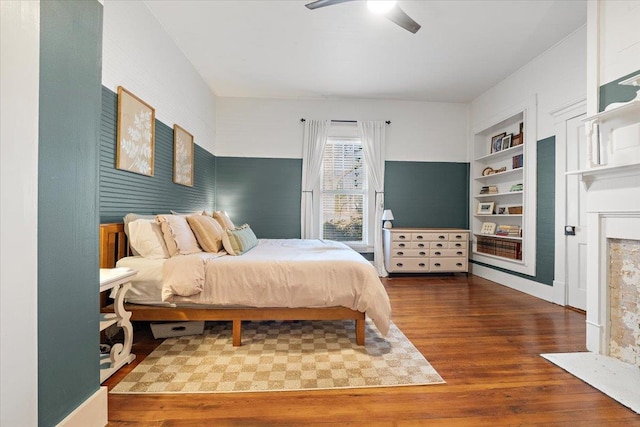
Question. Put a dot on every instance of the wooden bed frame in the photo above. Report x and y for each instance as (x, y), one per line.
(113, 246)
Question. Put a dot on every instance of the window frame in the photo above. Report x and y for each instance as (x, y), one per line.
(343, 133)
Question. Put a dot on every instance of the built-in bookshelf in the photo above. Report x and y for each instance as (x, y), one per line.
(503, 191)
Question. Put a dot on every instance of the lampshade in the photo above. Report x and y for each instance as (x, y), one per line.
(387, 215)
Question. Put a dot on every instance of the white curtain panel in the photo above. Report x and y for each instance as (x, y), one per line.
(372, 135)
(315, 137)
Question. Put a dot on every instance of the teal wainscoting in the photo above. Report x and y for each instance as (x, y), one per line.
(545, 215)
(427, 194)
(69, 125)
(264, 193)
(122, 192)
(613, 92)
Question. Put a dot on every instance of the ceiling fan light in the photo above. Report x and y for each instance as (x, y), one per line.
(380, 7)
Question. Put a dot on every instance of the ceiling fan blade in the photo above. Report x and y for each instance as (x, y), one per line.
(398, 16)
(322, 3)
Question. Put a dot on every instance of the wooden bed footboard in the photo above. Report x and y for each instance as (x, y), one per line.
(113, 246)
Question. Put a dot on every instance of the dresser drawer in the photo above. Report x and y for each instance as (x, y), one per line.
(409, 265)
(458, 245)
(447, 264)
(400, 245)
(458, 237)
(439, 245)
(419, 245)
(449, 253)
(401, 237)
(430, 237)
(409, 253)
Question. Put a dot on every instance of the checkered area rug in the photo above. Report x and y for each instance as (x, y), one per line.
(280, 356)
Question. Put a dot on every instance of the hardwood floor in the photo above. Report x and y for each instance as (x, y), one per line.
(484, 340)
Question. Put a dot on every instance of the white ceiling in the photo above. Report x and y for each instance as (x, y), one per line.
(280, 49)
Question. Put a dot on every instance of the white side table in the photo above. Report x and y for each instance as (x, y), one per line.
(118, 279)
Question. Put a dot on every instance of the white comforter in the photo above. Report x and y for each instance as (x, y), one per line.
(280, 273)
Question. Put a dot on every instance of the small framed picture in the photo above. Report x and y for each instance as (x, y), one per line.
(496, 142)
(485, 208)
(182, 156)
(503, 211)
(506, 141)
(488, 228)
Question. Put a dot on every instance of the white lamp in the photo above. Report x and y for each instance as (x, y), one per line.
(387, 217)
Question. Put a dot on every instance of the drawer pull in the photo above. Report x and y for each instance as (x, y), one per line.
(419, 237)
(459, 253)
(459, 264)
(458, 237)
(439, 245)
(402, 245)
(438, 253)
(402, 237)
(442, 237)
(421, 264)
(422, 253)
(458, 245)
(399, 264)
(421, 245)
(400, 253)
(437, 264)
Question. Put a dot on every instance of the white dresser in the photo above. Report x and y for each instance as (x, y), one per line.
(426, 250)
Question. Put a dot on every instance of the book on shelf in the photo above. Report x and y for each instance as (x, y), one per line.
(516, 187)
(508, 230)
(503, 248)
(489, 189)
(517, 161)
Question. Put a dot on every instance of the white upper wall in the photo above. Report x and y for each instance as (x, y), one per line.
(619, 39)
(271, 128)
(558, 77)
(139, 55)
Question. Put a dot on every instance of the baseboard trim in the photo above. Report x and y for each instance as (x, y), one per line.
(93, 412)
(530, 287)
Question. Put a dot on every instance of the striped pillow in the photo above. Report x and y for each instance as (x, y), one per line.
(208, 232)
(239, 240)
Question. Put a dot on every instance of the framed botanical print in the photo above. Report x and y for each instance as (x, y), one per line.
(182, 156)
(135, 137)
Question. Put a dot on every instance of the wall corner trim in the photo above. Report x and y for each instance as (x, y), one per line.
(93, 412)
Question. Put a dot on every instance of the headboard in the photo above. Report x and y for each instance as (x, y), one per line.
(113, 244)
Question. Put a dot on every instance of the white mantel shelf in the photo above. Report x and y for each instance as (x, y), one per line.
(630, 108)
(602, 172)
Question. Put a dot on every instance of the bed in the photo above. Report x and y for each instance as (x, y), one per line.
(172, 305)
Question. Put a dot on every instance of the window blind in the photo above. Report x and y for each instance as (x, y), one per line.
(344, 187)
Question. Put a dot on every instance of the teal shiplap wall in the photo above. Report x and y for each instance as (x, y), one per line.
(264, 193)
(545, 215)
(122, 192)
(427, 194)
(613, 92)
(69, 123)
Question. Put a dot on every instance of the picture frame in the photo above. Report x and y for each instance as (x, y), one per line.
(506, 141)
(135, 134)
(496, 142)
(488, 228)
(183, 159)
(503, 211)
(485, 208)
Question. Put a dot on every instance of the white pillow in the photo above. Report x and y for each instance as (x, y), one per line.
(178, 235)
(129, 218)
(145, 236)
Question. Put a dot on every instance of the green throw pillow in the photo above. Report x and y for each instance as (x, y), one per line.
(239, 240)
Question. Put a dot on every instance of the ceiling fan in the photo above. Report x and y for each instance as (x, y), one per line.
(387, 8)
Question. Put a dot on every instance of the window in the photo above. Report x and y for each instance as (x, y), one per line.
(344, 192)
